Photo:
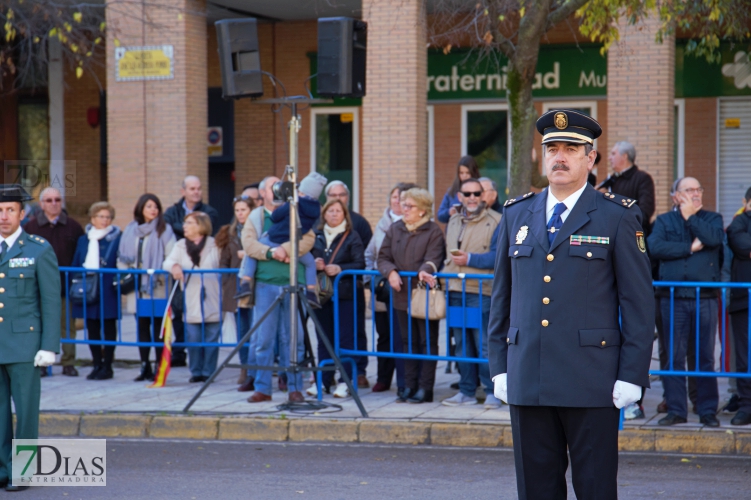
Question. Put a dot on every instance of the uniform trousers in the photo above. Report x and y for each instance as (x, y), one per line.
(740, 334)
(541, 435)
(418, 374)
(22, 382)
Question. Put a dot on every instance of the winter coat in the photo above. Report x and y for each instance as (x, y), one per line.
(477, 240)
(194, 306)
(423, 249)
(175, 215)
(739, 241)
(351, 256)
(637, 185)
(228, 259)
(670, 244)
(446, 204)
(108, 297)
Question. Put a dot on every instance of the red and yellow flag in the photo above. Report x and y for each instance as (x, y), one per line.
(166, 333)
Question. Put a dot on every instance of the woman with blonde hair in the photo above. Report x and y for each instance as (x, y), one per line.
(415, 244)
(202, 309)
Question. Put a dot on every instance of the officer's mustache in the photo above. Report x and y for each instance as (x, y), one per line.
(560, 166)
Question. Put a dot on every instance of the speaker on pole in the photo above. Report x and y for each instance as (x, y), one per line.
(342, 45)
(239, 58)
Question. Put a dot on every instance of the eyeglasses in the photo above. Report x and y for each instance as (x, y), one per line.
(407, 206)
(467, 194)
(53, 200)
(692, 190)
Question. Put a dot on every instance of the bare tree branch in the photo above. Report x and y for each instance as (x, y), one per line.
(563, 12)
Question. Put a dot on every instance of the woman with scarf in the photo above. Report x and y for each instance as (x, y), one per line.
(338, 248)
(202, 312)
(387, 331)
(97, 249)
(415, 244)
(144, 244)
(231, 254)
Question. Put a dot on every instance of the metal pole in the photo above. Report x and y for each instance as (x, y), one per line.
(294, 128)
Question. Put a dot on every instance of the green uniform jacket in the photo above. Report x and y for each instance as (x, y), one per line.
(29, 300)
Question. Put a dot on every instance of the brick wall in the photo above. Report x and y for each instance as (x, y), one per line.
(641, 90)
(700, 153)
(157, 129)
(394, 110)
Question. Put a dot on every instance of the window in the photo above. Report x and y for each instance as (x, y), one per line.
(485, 136)
(334, 147)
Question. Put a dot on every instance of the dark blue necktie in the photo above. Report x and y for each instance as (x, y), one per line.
(555, 222)
(3, 249)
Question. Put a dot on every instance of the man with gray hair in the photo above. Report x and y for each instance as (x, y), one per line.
(490, 194)
(339, 190)
(629, 181)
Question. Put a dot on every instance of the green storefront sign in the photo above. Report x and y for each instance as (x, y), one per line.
(562, 71)
(695, 77)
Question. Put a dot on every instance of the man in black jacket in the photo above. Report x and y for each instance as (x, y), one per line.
(688, 243)
(190, 202)
(739, 239)
(627, 180)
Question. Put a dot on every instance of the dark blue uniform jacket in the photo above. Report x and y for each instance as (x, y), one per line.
(577, 291)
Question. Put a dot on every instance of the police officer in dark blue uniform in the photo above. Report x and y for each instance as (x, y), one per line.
(570, 259)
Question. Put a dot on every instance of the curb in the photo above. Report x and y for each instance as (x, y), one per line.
(368, 431)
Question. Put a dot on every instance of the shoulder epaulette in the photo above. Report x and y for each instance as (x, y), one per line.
(520, 198)
(38, 240)
(620, 200)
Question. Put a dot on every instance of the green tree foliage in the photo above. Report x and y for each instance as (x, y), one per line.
(516, 28)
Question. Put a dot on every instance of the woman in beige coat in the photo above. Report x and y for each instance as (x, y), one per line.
(202, 302)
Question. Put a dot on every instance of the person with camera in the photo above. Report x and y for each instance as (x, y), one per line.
(270, 279)
(201, 292)
(97, 249)
(415, 244)
(470, 241)
(388, 333)
(145, 243)
(465, 169)
(338, 248)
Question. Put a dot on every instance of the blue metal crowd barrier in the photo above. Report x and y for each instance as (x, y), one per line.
(464, 318)
(152, 307)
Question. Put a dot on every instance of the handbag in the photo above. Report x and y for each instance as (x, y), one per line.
(84, 287)
(382, 290)
(128, 280)
(326, 282)
(434, 298)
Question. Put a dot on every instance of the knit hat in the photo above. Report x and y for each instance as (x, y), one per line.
(312, 185)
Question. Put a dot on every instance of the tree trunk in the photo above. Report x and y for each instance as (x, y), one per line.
(521, 76)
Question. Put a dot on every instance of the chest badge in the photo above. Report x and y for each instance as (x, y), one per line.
(522, 234)
(640, 241)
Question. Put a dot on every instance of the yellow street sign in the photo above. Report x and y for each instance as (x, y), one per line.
(144, 63)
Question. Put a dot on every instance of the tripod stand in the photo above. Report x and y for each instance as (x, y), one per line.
(294, 291)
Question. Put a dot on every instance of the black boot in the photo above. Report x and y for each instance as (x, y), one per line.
(146, 373)
(105, 372)
(421, 396)
(94, 371)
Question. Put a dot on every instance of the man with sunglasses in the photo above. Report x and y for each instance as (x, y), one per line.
(470, 238)
(54, 225)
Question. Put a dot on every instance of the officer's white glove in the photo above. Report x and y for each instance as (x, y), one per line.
(625, 393)
(44, 358)
(500, 389)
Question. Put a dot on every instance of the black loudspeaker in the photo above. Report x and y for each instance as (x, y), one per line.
(239, 58)
(341, 57)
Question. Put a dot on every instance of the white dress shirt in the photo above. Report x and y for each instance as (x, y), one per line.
(12, 238)
(569, 202)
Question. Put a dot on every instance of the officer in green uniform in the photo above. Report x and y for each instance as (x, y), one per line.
(29, 323)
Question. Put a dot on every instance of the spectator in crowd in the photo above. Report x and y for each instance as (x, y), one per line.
(739, 240)
(490, 194)
(339, 190)
(230, 246)
(271, 277)
(145, 243)
(175, 215)
(338, 248)
(388, 334)
(629, 181)
(415, 244)
(309, 211)
(252, 193)
(54, 225)
(465, 169)
(592, 176)
(97, 249)
(470, 242)
(202, 309)
(688, 243)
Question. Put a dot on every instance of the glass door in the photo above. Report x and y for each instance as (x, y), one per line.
(334, 147)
